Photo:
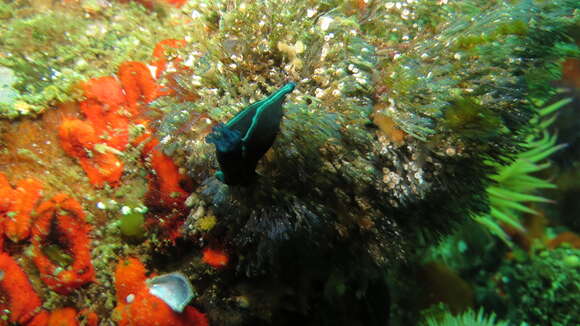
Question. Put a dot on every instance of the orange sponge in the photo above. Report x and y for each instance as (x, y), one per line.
(164, 184)
(162, 58)
(6, 198)
(137, 307)
(22, 302)
(130, 276)
(16, 207)
(146, 309)
(215, 258)
(107, 124)
(63, 317)
(66, 215)
(105, 110)
(106, 90)
(26, 196)
(103, 168)
(88, 318)
(6, 194)
(139, 85)
(78, 139)
(41, 319)
(111, 124)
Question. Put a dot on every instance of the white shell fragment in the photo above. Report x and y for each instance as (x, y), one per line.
(173, 288)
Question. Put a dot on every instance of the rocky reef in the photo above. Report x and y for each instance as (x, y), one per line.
(384, 145)
(377, 128)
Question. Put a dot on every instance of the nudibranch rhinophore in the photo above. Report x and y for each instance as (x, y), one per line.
(243, 140)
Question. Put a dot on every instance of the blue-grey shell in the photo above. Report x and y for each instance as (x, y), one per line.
(173, 288)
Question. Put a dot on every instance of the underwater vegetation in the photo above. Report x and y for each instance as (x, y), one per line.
(542, 288)
(469, 318)
(265, 162)
(515, 183)
(45, 53)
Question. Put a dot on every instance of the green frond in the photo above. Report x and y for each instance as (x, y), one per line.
(548, 122)
(511, 207)
(515, 186)
(510, 195)
(469, 318)
(544, 112)
(530, 182)
(505, 218)
(493, 227)
(546, 118)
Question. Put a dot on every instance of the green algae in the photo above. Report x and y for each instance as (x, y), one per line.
(469, 119)
(51, 51)
(543, 288)
(516, 185)
(470, 317)
(8, 95)
(132, 224)
(57, 255)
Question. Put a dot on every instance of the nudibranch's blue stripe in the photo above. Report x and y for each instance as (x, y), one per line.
(241, 114)
(266, 103)
(281, 92)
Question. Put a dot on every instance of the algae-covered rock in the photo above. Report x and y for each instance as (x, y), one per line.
(450, 87)
(400, 113)
(8, 95)
(53, 47)
(457, 92)
(544, 288)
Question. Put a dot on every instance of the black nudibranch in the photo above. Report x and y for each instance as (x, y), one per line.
(242, 141)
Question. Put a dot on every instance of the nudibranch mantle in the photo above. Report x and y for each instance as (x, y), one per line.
(243, 140)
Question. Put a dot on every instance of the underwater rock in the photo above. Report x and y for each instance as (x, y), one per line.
(403, 111)
(458, 101)
(401, 116)
(8, 95)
